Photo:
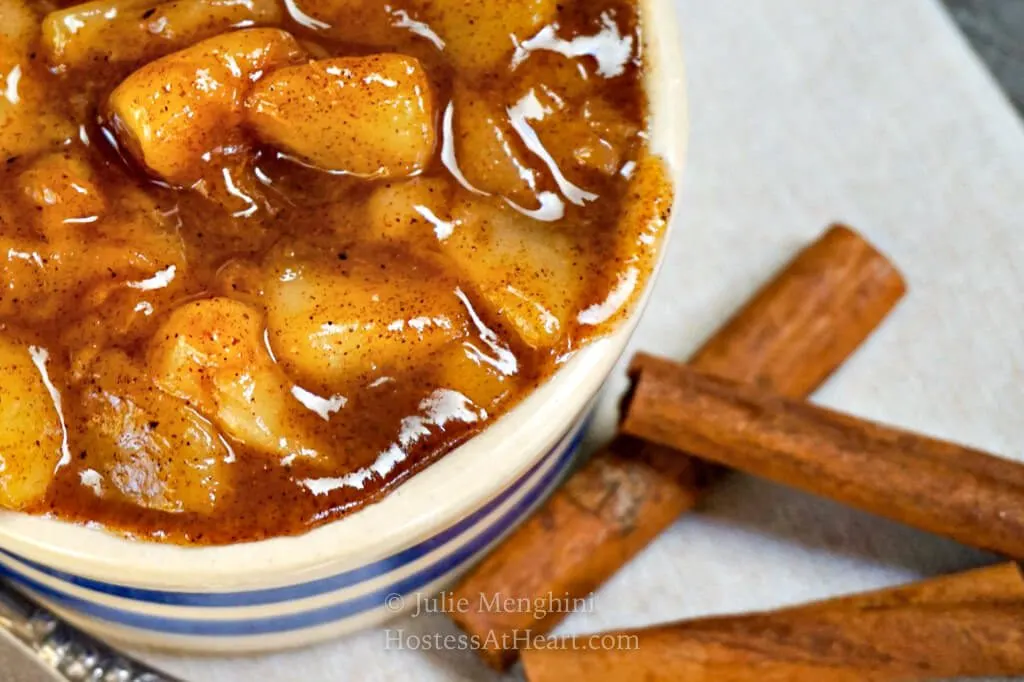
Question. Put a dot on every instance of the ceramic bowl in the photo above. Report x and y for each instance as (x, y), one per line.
(345, 575)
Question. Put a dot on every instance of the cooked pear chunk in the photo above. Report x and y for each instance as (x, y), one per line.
(415, 212)
(211, 354)
(148, 445)
(176, 113)
(32, 437)
(63, 190)
(462, 368)
(335, 322)
(31, 119)
(126, 31)
(526, 271)
(367, 116)
(489, 152)
(481, 36)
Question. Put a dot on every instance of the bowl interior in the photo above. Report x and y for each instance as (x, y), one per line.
(431, 500)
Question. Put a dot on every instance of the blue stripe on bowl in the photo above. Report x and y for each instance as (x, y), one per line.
(313, 617)
(312, 588)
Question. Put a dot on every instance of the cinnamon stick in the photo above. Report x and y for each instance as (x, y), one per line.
(791, 336)
(948, 489)
(971, 625)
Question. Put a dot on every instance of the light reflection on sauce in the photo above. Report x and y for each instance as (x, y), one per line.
(11, 86)
(442, 228)
(322, 407)
(403, 20)
(160, 280)
(609, 48)
(438, 410)
(303, 19)
(40, 356)
(530, 108)
(552, 208)
(503, 359)
(93, 480)
(448, 150)
(617, 298)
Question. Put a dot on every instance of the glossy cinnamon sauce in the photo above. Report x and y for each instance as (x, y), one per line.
(247, 288)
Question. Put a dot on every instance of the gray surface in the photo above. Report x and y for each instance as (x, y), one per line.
(996, 30)
(18, 664)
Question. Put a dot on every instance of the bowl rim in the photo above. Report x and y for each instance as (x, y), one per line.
(432, 499)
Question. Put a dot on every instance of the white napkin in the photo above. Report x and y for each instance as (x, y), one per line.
(876, 113)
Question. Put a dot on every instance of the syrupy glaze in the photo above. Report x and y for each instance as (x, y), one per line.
(280, 326)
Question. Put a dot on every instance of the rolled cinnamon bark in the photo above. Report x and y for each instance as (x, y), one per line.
(970, 624)
(806, 322)
(947, 489)
(791, 336)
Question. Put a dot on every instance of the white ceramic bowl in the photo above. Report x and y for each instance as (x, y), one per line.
(344, 575)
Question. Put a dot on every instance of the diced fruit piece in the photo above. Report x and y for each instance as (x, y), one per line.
(573, 79)
(588, 136)
(83, 261)
(416, 211)
(174, 111)
(30, 120)
(76, 35)
(460, 368)
(115, 31)
(366, 22)
(114, 315)
(211, 354)
(481, 36)
(18, 29)
(332, 322)
(44, 282)
(120, 274)
(32, 124)
(489, 152)
(526, 271)
(152, 448)
(32, 435)
(63, 191)
(368, 116)
(198, 340)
